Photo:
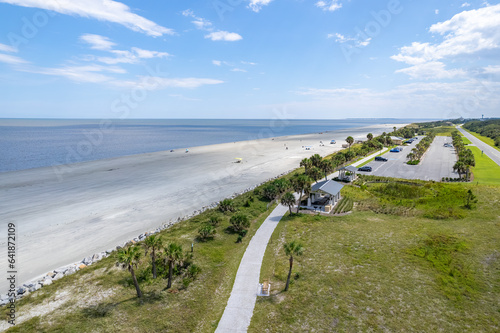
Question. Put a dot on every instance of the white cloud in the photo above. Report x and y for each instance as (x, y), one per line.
(432, 70)
(465, 4)
(121, 56)
(188, 13)
(248, 63)
(146, 54)
(217, 62)
(420, 99)
(330, 6)
(88, 73)
(224, 36)
(238, 70)
(203, 24)
(256, 5)
(161, 82)
(97, 42)
(357, 42)
(102, 10)
(474, 32)
(492, 70)
(436, 11)
(7, 48)
(13, 60)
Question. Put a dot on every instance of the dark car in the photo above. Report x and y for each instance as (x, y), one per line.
(395, 150)
(381, 159)
(365, 168)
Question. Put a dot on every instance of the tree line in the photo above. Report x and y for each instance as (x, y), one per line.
(465, 156)
(420, 149)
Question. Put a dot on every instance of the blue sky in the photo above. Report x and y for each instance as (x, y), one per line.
(249, 59)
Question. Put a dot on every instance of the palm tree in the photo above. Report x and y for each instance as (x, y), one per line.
(300, 184)
(327, 167)
(369, 136)
(173, 253)
(306, 163)
(394, 128)
(459, 167)
(153, 242)
(291, 249)
(350, 141)
(315, 173)
(129, 258)
(288, 200)
(316, 160)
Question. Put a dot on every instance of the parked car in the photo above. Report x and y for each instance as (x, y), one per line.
(333, 142)
(365, 168)
(396, 150)
(409, 141)
(381, 159)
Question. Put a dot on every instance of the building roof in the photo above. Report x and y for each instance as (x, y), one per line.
(350, 168)
(396, 138)
(328, 186)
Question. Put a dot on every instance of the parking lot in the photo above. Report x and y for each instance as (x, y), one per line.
(436, 163)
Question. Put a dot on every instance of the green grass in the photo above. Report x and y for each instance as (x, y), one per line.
(486, 170)
(441, 131)
(485, 139)
(379, 272)
(465, 140)
(101, 297)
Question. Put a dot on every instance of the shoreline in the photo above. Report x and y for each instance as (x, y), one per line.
(62, 219)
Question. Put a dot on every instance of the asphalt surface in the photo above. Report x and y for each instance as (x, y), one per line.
(436, 163)
(486, 148)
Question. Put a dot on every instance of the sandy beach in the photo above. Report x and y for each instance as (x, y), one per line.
(95, 206)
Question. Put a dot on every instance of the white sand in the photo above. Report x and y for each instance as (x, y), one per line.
(100, 204)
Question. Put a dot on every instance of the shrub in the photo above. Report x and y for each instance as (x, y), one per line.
(206, 232)
(214, 220)
(270, 192)
(239, 222)
(227, 205)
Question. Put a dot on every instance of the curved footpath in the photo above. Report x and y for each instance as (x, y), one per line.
(486, 148)
(239, 309)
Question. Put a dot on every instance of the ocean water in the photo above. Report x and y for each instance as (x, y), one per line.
(34, 143)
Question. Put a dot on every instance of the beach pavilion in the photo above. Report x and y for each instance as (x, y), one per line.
(324, 196)
(348, 173)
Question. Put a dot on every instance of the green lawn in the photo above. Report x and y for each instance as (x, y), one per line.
(369, 272)
(441, 131)
(486, 171)
(485, 139)
(465, 140)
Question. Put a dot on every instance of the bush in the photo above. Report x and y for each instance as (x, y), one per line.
(206, 232)
(227, 205)
(270, 192)
(214, 220)
(239, 222)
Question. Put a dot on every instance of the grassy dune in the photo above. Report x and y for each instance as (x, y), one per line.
(392, 271)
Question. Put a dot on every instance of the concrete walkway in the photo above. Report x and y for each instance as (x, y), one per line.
(239, 309)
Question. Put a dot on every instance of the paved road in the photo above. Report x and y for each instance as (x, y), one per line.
(486, 148)
(437, 163)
